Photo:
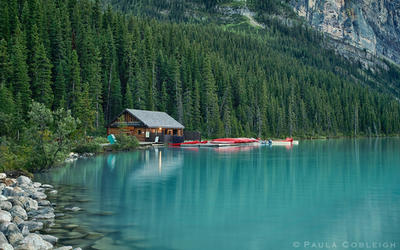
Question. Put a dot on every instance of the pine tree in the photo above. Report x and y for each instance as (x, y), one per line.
(59, 88)
(19, 77)
(212, 119)
(74, 87)
(83, 109)
(5, 67)
(4, 21)
(40, 72)
(7, 111)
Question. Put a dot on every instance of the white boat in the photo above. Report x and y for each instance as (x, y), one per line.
(281, 143)
(286, 142)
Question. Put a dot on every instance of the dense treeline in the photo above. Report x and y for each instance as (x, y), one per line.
(274, 82)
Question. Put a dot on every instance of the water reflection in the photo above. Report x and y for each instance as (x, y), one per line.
(246, 198)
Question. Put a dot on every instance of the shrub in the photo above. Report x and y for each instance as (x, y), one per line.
(100, 140)
(89, 147)
(125, 142)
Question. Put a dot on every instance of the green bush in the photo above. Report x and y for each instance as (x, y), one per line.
(125, 142)
(100, 140)
(89, 147)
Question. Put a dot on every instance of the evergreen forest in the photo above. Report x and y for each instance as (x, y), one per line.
(95, 60)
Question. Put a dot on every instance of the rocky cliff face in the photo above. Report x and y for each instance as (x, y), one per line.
(370, 25)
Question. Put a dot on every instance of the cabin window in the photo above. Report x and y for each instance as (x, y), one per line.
(175, 132)
(139, 132)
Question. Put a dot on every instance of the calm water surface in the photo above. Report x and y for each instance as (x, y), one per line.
(249, 198)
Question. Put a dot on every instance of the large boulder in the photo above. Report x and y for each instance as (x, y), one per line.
(24, 180)
(13, 234)
(3, 238)
(15, 201)
(4, 225)
(17, 220)
(14, 238)
(13, 191)
(19, 211)
(5, 205)
(42, 213)
(38, 195)
(37, 184)
(25, 231)
(29, 203)
(3, 176)
(36, 241)
(49, 238)
(11, 229)
(6, 246)
(47, 186)
(32, 225)
(44, 203)
(5, 216)
(10, 182)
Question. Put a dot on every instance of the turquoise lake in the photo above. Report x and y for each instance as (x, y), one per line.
(328, 192)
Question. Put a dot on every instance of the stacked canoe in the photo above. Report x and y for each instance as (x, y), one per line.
(221, 142)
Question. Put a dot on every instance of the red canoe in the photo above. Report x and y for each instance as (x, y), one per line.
(233, 140)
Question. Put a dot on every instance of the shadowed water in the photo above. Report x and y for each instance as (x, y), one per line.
(234, 198)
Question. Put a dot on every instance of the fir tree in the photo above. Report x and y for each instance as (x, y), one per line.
(19, 77)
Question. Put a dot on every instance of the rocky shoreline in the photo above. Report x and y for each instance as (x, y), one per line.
(24, 213)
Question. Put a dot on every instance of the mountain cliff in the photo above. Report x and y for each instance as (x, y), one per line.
(370, 25)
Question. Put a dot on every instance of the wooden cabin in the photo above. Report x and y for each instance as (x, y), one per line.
(145, 124)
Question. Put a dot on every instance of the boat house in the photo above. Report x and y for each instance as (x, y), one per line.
(145, 125)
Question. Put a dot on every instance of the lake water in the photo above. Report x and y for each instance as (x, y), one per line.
(328, 192)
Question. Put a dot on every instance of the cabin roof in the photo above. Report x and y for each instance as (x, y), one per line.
(155, 119)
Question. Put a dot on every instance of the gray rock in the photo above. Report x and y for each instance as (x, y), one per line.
(36, 241)
(78, 248)
(15, 201)
(25, 247)
(19, 211)
(54, 192)
(64, 248)
(42, 213)
(49, 238)
(3, 176)
(44, 203)
(13, 191)
(3, 238)
(17, 220)
(37, 184)
(14, 238)
(30, 204)
(5, 205)
(5, 216)
(2, 197)
(38, 196)
(6, 246)
(10, 182)
(47, 186)
(73, 209)
(11, 229)
(25, 231)
(32, 225)
(4, 225)
(24, 180)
